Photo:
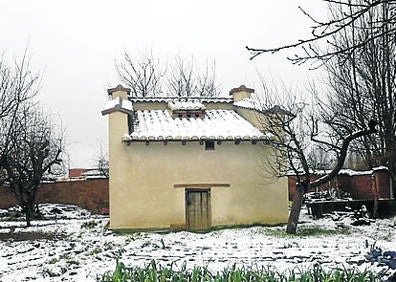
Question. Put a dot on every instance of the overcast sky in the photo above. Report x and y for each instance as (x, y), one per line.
(75, 44)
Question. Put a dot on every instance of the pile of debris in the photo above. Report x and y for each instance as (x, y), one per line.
(358, 217)
(327, 195)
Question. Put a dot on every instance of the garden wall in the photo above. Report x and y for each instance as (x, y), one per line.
(91, 194)
(361, 186)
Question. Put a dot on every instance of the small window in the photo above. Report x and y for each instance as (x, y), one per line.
(209, 145)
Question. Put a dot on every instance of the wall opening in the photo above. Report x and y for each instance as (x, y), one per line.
(209, 145)
(198, 209)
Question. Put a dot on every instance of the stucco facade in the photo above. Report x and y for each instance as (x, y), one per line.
(169, 183)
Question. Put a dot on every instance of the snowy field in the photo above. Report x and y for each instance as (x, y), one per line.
(73, 245)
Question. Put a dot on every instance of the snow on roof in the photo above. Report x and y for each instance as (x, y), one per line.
(255, 104)
(346, 171)
(158, 125)
(117, 104)
(184, 104)
(249, 103)
(93, 174)
(169, 99)
(351, 172)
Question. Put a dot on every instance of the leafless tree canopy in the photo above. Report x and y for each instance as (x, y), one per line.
(356, 46)
(143, 76)
(361, 85)
(298, 131)
(148, 77)
(30, 145)
(186, 81)
(17, 85)
(345, 14)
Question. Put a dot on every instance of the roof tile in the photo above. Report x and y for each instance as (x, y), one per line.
(217, 124)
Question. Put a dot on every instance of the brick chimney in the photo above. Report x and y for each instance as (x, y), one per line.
(241, 93)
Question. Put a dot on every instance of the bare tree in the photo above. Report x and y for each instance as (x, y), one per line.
(18, 84)
(144, 75)
(30, 146)
(297, 131)
(36, 151)
(356, 46)
(103, 162)
(186, 81)
(348, 13)
(364, 82)
(147, 77)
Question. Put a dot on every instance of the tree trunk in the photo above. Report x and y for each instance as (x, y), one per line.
(296, 208)
(29, 209)
(28, 214)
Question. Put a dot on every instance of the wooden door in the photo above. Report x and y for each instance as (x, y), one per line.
(197, 209)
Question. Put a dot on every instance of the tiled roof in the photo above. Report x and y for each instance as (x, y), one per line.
(250, 103)
(168, 99)
(117, 104)
(256, 105)
(181, 104)
(158, 125)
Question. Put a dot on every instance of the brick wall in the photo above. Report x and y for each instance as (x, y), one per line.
(92, 194)
(292, 185)
(360, 187)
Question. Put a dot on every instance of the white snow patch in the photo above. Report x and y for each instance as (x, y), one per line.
(117, 104)
(217, 124)
(193, 104)
(82, 249)
(250, 103)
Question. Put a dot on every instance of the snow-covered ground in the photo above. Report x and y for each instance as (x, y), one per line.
(72, 245)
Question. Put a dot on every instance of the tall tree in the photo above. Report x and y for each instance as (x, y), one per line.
(18, 84)
(297, 130)
(29, 142)
(358, 56)
(148, 77)
(356, 46)
(363, 82)
(144, 75)
(324, 30)
(186, 81)
(35, 151)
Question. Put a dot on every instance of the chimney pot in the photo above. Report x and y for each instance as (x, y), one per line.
(124, 91)
(241, 93)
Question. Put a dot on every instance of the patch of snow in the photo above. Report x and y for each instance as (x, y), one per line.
(82, 248)
(250, 103)
(117, 104)
(186, 104)
(346, 171)
(351, 172)
(93, 174)
(217, 124)
(168, 99)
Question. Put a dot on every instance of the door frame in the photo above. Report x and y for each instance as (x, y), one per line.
(209, 206)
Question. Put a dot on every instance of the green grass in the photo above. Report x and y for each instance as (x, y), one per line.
(96, 251)
(238, 226)
(307, 231)
(154, 273)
